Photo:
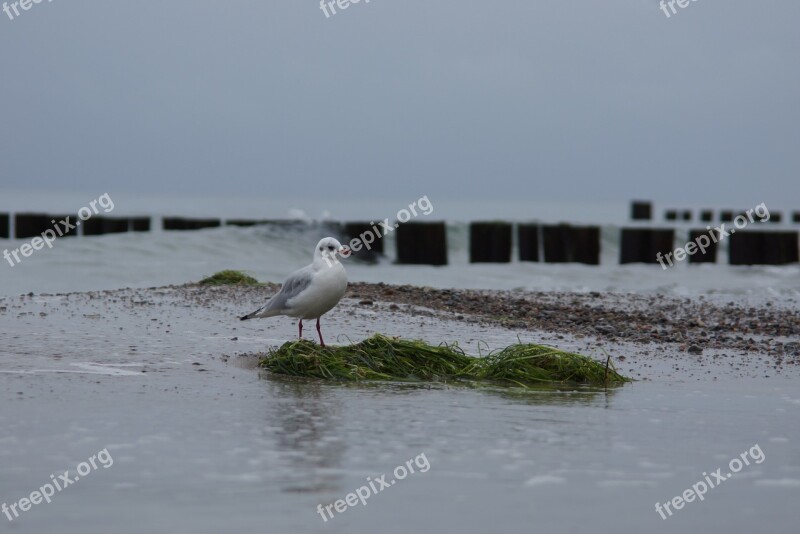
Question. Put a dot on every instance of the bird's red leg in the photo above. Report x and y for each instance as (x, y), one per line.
(300, 330)
(322, 343)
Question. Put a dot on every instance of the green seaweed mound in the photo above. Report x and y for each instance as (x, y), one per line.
(384, 358)
(229, 278)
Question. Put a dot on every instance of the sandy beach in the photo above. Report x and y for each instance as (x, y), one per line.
(638, 331)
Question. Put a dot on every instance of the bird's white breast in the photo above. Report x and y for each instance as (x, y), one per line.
(325, 291)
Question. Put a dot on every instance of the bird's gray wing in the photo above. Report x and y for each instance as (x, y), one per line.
(297, 282)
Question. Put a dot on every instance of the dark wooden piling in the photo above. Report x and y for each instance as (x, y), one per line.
(59, 226)
(796, 217)
(746, 248)
(5, 223)
(726, 215)
(775, 217)
(707, 215)
(686, 215)
(710, 254)
(244, 223)
(671, 215)
(362, 234)
(528, 239)
(571, 244)
(784, 247)
(140, 224)
(105, 225)
(490, 242)
(181, 223)
(31, 224)
(174, 223)
(641, 245)
(641, 210)
(421, 243)
(763, 248)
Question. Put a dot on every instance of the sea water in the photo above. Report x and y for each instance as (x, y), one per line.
(271, 252)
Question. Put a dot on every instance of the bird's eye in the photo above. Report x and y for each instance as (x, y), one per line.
(330, 247)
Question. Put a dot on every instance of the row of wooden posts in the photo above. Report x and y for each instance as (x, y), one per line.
(642, 210)
(490, 242)
(27, 225)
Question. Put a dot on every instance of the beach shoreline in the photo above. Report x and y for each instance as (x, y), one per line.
(683, 334)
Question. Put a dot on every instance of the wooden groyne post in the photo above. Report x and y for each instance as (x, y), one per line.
(490, 242)
(421, 243)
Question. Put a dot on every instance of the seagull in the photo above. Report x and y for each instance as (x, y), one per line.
(312, 291)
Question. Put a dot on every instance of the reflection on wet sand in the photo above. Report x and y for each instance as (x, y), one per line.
(308, 415)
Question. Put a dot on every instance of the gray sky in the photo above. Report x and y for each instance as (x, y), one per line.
(578, 99)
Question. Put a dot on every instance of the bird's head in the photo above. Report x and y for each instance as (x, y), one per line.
(328, 248)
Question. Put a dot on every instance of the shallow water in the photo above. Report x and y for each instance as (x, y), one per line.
(244, 451)
(205, 443)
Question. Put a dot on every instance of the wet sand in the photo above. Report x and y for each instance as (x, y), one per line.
(693, 325)
(640, 332)
(648, 337)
